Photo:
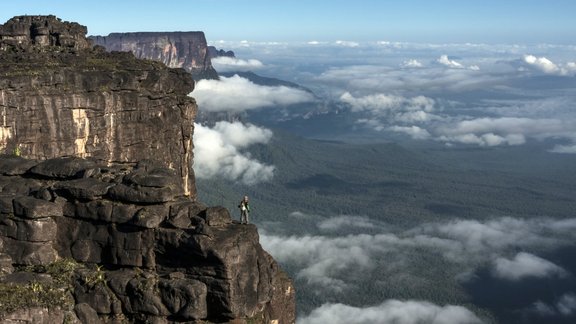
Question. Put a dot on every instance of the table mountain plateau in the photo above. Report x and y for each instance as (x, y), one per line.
(187, 50)
(99, 221)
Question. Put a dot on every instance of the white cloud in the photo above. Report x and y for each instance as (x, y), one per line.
(225, 64)
(525, 265)
(546, 66)
(240, 135)
(444, 60)
(563, 306)
(391, 311)
(379, 78)
(239, 94)
(217, 152)
(541, 63)
(321, 259)
(468, 243)
(347, 43)
(413, 131)
(487, 131)
(400, 108)
(344, 221)
(412, 63)
(564, 149)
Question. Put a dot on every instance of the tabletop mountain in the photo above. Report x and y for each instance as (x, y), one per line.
(99, 221)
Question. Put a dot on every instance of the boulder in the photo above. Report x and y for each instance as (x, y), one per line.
(217, 216)
(62, 168)
(142, 195)
(83, 189)
(30, 207)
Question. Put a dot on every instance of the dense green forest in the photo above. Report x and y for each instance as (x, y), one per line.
(402, 184)
(398, 187)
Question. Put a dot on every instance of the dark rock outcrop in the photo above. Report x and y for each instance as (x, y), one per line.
(187, 50)
(61, 97)
(139, 247)
(214, 52)
(99, 221)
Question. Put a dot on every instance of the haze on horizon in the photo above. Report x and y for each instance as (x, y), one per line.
(444, 21)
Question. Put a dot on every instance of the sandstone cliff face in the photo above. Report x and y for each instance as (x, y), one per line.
(187, 50)
(59, 97)
(98, 217)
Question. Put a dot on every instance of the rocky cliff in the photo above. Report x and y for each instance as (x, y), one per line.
(187, 50)
(98, 217)
(60, 97)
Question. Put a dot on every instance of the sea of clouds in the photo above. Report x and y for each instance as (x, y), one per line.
(475, 94)
(510, 248)
(457, 94)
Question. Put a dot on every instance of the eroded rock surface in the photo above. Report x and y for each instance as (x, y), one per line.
(59, 96)
(141, 249)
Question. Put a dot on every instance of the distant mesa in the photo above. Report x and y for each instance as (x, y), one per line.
(187, 50)
(214, 52)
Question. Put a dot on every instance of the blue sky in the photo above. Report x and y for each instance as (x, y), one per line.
(438, 21)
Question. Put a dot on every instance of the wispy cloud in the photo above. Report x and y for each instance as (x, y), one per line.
(339, 222)
(468, 243)
(444, 60)
(236, 94)
(545, 65)
(226, 64)
(564, 306)
(391, 311)
(218, 152)
(412, 63)
(525, 265)
(476, 94)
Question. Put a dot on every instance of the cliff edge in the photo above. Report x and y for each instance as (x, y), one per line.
(187, 50)
(99, 221)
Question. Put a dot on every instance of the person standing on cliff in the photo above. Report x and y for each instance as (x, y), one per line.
(244, 210)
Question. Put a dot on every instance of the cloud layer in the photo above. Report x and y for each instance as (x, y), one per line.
(235, 94)
(218, 152)
(525, 265)
(232, 64)
(324, 262)
(391, 311)
(483, 95)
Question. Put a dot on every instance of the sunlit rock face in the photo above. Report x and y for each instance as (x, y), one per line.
(61, 97)
(187, 50)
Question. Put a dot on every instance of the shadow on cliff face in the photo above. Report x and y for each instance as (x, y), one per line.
(530, 300)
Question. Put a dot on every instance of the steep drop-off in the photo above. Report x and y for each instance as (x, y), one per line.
(187, 50)
(99, 221)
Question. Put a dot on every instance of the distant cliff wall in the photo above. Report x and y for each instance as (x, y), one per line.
(187, 50)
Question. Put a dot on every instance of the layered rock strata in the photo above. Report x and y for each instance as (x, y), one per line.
(61, 97)
(187, 50)
(135, 246)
